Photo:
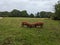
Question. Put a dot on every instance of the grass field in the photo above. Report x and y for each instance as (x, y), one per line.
(11, 32)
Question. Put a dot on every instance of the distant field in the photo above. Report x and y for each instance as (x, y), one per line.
(11, 32)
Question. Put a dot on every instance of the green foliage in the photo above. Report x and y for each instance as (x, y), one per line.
(42, 14)
(38, 15)
(24, 13)
(15, 13)
(45, 14)
(57, 11)
(4, 14)
(31, 15)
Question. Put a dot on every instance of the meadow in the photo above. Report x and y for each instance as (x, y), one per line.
(11, 32)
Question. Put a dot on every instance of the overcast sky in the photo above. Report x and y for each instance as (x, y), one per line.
(32, 6)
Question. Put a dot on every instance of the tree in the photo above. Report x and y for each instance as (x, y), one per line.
(15, 13)
(24, 13)
(38, 15)
(57, 11)
(43, 14)
(4, 14)
(31, 15)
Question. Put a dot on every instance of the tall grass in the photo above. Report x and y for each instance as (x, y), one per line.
(11, 32)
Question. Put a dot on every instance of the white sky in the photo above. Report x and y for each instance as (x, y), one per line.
(32, 6)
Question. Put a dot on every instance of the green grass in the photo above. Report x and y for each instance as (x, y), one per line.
(11, 32)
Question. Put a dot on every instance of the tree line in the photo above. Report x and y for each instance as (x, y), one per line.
(42, 14)
(17, 13)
